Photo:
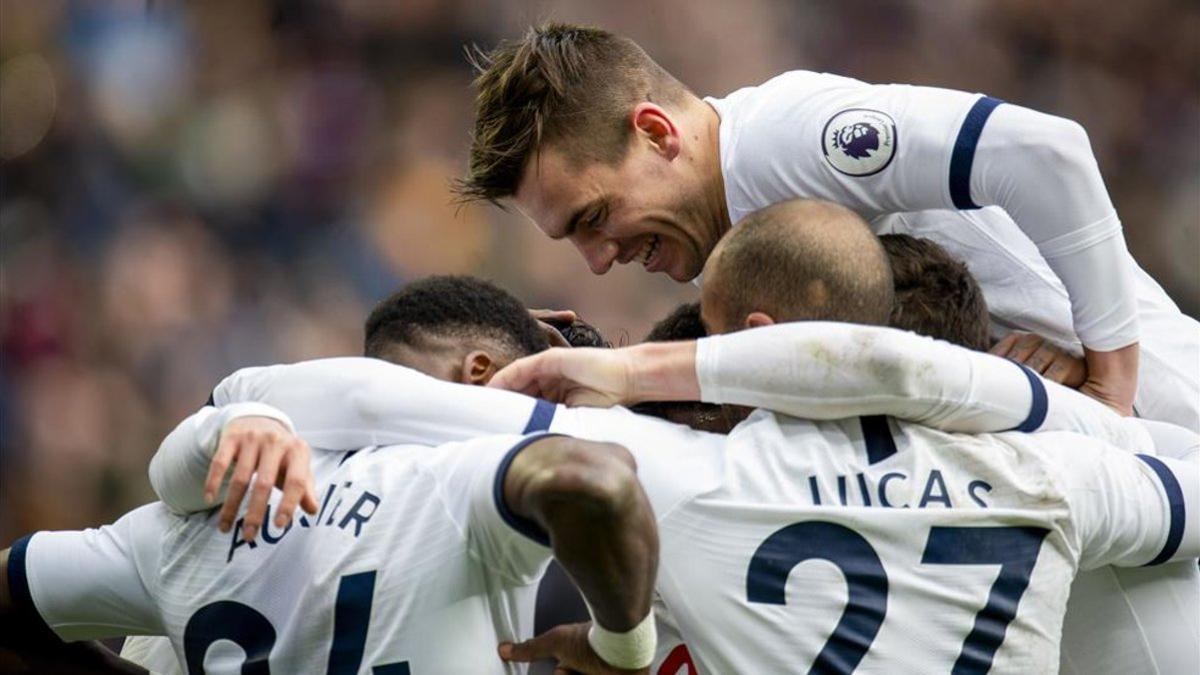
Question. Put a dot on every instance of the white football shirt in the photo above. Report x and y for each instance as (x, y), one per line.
(930, 380)
(880, 547)
(881, 149)
(412, 564)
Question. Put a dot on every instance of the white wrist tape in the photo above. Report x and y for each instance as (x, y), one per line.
(631, 650)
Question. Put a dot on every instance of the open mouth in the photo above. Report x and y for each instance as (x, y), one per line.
(649, 250)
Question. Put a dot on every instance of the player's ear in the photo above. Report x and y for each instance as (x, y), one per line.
(756, 319)
(655, 125)
(478, 367)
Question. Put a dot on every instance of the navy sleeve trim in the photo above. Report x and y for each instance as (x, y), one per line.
(18, 589)
(541, 417)
(963, 155)
(1040, 404)
(523, 525)
(877, 435)
(1177, 508)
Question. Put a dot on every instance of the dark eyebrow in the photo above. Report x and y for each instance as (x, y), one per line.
(573, 221)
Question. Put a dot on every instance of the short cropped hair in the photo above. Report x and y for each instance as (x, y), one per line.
(452, 306)
(802, 260)
(558, 82)
(935, 293)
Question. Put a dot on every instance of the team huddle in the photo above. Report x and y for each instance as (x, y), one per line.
(817, 467)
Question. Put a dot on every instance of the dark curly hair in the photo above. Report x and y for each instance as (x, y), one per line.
(455, 306)
(580, 333)
(683, 323)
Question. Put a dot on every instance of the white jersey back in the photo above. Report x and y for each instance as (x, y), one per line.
(411, 565)
(872, 546)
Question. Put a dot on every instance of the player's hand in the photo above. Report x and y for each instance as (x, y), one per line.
(568, 645)
(1112, 377)
(545, 316)
(263, 449)
(582, 376)
(1044, 357)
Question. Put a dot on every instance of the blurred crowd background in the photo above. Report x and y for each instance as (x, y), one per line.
(191, 187)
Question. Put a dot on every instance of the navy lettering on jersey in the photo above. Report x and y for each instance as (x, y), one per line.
(358, 513)
(866, 583)
(233, 621)
(364, 506)
(973, 489)
(942, 496)
(883, 483)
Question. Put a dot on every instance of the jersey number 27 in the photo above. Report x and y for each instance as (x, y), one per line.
(1014, 549)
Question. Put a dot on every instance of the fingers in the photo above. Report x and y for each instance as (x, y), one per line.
(1042, 358)
(522, 375)
(544, 646)
(219, 466)
(564, 315)
(296, 482)
(1004, 346)
(269, 458)
(247, 459)
(553, 335)
(1026, 345)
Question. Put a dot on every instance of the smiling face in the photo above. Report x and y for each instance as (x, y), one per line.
(656, 206)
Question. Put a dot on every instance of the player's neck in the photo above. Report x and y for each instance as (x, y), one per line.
(708, 162)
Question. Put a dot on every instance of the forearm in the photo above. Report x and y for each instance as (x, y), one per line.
(832, 371)
(601, 527)
(1041, 170)
(350, 403)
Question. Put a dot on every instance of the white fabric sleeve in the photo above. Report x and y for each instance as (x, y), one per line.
(895, 148)
(353, 402)
(1041, 170)
(470, 477)
(179, 468)
(1172, 440)
(90, 584)
(1127, 510)
(822, 370)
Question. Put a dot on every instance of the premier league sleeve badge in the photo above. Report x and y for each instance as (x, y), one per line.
(859, 142)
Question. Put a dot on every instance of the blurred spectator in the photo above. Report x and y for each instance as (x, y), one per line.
(187, 188)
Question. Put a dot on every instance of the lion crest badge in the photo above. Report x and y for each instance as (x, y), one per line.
(859, 142)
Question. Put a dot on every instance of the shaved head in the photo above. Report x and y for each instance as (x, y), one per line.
(801, 260)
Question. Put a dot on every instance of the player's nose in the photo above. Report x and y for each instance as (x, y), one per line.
(599, 253)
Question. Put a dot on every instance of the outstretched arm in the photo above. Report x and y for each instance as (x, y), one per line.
(334, 404)
(586, 497)
(824, 371)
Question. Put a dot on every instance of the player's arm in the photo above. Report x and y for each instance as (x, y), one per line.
(352, 402)
(964, 151)
(336, 404)
(583, 499)
(824, 371)
(219, 454)
(1127, 510)
(59, 590)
